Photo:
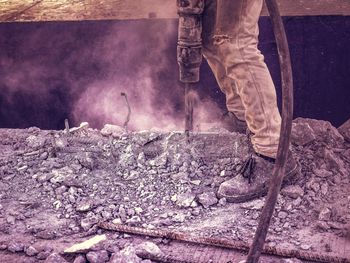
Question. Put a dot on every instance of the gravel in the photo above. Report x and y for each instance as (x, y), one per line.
(55, 185)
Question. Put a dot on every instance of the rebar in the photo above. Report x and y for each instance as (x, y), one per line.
(73, 149)
(84, 140)
(129, 111)
(218, 242)
(66, 125)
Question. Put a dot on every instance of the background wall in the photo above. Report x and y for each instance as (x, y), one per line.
(56, 70)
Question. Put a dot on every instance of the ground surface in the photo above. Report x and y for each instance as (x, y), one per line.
(73, 10)
(55, 186)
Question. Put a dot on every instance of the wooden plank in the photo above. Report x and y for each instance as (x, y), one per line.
(75, 10)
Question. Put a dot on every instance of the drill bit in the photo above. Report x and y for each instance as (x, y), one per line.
(189, 101)
(66, 125)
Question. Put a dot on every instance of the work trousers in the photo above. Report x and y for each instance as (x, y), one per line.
(230, 39)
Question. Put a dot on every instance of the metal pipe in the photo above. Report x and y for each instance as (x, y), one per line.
(286, 127)
(129, 111)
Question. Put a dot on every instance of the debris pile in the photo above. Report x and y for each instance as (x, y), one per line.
(55, 186)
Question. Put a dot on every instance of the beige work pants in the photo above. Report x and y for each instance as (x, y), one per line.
(230, 47)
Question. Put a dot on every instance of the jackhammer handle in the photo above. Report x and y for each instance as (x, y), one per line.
(286, 127)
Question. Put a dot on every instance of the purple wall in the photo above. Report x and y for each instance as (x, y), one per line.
(46, 69)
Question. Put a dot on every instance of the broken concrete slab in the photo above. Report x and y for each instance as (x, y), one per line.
(293, 191)
(80, 259)
(147, 249)
(325, 214)
(55, 258)
(86, 245)
(185, 199)
(128, 254)
(31, 251)
(302, 133)
(15, 246)
(100, 256)
(344, 130)
(321, 130)
(114, 130)
(207, 199)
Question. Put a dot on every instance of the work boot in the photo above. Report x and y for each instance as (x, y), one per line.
(233, 124)
(246, 187)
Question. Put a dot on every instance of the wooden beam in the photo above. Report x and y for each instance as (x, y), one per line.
(77, 10)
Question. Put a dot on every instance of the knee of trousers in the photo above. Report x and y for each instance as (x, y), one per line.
(234, 51)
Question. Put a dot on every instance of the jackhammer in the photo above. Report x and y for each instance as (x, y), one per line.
(189, 56)
(189, 51)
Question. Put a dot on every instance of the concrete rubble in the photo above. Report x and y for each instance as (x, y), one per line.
(55, 186)
(344, 130)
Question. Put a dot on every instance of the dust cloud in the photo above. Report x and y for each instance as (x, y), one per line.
(77, 70)
(156, 102)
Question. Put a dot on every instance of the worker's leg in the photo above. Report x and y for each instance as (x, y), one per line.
(210, 52)
(236, 38)
(240, 69)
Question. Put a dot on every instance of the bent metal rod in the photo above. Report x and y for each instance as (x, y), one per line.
(216, 242)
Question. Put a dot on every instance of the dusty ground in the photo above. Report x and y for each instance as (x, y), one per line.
(54, 187)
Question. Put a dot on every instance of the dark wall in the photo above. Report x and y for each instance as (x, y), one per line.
(320, 51)
(45, 67)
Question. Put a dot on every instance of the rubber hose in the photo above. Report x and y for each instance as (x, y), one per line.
(286, 127)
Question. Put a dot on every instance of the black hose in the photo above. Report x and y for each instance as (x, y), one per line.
(286, 127)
